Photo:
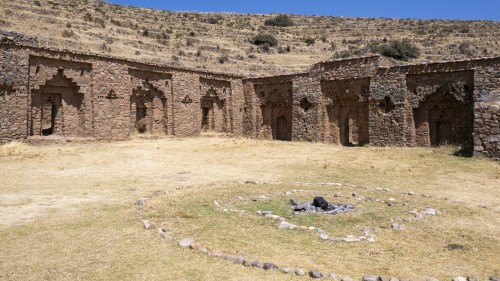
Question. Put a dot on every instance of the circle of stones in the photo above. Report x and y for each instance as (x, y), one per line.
(141, 205)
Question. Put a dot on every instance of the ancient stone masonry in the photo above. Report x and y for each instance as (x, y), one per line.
(350, 102)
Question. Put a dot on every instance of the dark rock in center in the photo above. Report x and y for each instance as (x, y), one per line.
(320, 202)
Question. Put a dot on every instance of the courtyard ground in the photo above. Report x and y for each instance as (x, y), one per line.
(67, 211)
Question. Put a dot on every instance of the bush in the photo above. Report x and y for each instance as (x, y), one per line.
(399, 49)
(222, 59)
(87, 17)
(279, 20)
(310, 41)
(68, 33)
(262, 39)
(214, 20)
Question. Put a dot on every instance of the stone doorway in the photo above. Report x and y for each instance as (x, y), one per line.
(346, 111)
(441, 119)
(148, 110)
(49, 112)
(281, 129)
(213, 113)
(57, 108)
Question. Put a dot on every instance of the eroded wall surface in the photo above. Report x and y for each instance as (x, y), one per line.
(348, 102)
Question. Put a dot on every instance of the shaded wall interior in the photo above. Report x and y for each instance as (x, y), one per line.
(148, 110)
(346, 106)
(57, 108)
(215, 98)
(274, 116)
(442, 108)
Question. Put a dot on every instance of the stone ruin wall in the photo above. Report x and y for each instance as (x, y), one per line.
(345, 102)
(486, 128)
(46, 92)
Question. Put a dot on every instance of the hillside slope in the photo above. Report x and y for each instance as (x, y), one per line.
(222, 41)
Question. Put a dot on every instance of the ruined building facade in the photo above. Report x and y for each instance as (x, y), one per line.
(45, 92)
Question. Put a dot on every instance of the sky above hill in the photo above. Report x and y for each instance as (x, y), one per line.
(422, 9)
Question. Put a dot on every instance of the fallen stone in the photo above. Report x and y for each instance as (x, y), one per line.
(269, 266)
(300, 272)
(430, 211)
(141, 201)
(410, 193)
(285, 270)
(391, 199)
(311, 228)
(216, 203)
(323, 236)
(494, 278)
(266, 213)
(337, 194)
(393, 279)
(230, 258)
(283, 225)
(256, 264)
(315, 274)
(381, 278)
(240, 260)
(369, 278)
(370, 239)
(346, 278)
(396, 226)
(195, 246)
(185, 243)
(147, 224)
(247, 263)
(334, 276)
(459, 278)
(350, 238)
(431, 279)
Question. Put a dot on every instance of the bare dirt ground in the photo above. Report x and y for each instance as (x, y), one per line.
(67, 211)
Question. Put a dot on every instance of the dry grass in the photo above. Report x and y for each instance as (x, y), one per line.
(119, 31)
(67, 211)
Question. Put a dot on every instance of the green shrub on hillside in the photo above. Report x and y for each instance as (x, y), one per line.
(262, 39)
(279, 20)
(398, 49)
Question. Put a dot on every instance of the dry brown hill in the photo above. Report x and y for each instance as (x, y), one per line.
(222, 41)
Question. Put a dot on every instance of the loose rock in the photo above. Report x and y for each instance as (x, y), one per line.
(315, 274)
(256, 264)
(185, 243)
(459, 278)
(346, 278)
(334, 276)
(269, 266)
(351, 238)
(369, 278)
(285, 270)
(430, 211)
(300, 272)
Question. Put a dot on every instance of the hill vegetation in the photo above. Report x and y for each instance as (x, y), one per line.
(199, 40)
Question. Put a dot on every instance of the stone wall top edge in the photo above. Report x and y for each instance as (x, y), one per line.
(370, 59)
(443, 66)
(55, 52)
